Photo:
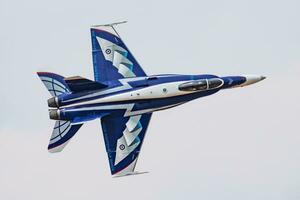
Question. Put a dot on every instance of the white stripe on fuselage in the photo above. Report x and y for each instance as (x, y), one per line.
(127, 107)
(124, 86)
(152, 92)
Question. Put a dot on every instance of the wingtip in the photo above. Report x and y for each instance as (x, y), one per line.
(110, 24)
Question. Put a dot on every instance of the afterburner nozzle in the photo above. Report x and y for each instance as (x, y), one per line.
(53, 102)
(54, 114)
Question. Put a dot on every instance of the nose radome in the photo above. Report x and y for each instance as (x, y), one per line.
(262, 78)
(251, 79)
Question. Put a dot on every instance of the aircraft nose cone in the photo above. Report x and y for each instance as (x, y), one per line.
(262, 78)
(251, 79)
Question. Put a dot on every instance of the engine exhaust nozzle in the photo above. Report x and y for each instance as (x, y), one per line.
(54, 114)
(53, 102)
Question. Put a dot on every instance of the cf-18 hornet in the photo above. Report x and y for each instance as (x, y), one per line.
(123, 97)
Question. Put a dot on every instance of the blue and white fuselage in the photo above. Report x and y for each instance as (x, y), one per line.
(136, 96)
(123, 96)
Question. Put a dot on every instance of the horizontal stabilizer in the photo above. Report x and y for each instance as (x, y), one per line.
(129, 174)
(79, 84)
(63, 131)
(54, 83)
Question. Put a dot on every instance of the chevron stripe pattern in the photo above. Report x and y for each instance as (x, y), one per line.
(129, 140)
(118, 56)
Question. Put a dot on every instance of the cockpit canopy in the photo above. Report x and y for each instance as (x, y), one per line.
(193, 85)
(201, 85)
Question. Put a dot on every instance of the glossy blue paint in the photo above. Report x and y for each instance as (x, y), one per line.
(123, 97)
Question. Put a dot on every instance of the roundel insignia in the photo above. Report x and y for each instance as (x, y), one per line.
(122, 147)
(107, 51)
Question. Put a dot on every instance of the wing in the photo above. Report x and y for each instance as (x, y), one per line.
(112, 60)
(123, 137)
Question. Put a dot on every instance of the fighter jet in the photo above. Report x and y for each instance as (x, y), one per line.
(123, 97)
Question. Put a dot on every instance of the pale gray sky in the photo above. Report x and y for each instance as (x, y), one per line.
(237, 144)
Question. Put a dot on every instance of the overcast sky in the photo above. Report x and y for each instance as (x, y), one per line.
(237, 144)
